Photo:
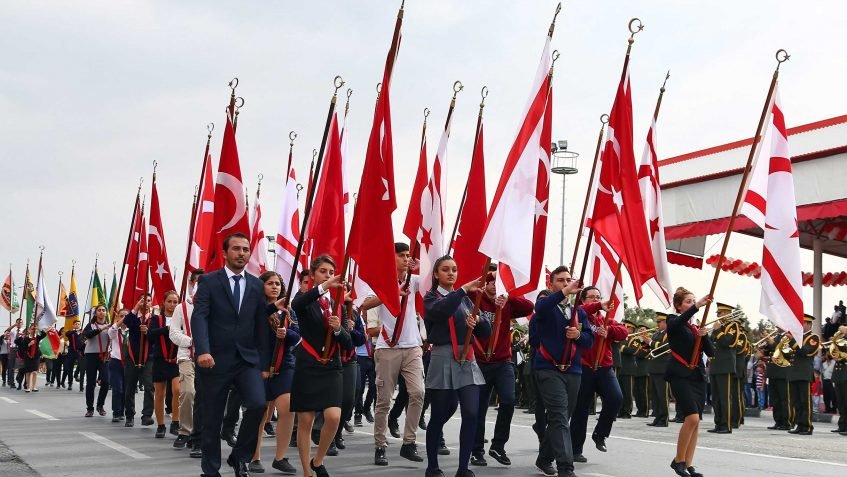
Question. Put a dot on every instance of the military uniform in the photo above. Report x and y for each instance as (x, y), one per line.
(641, 381)
(722, 375)
(742, 355)
(839, 380)
(657, 365)
(626, 377)
(783, 414)
(800, 375)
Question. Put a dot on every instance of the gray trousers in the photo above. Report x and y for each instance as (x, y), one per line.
(558, 391)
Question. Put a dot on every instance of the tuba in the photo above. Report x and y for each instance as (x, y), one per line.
(783, 353)
(838, 347)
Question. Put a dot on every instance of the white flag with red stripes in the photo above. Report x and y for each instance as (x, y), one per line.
(258, 242)
(602, 272)
(770, 202)
(288, 233)
(651, 198)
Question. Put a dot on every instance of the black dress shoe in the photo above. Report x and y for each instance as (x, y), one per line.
(101, 411)
(129, 422)
(196, 451)
(680, 468)
(332, 451)
(838, 431)
(679, 420)
(174, 428)
(478, 459)
(368, 416)
(465, 473)
(181, 441)
(442, 448)
(339, 443)
(394, 427)
(160, 432)
(89, 414)
(433, 473)
(546, 468)
(357, 420)
(320, 471)
(146, 421)
(719, 430)
(693, 473)
(240, 468)
(379, 457)
(284, 466)
(316, 437)
(229, 437)
(410, 452)
(580, 458)
(500, 456)
(599, 442)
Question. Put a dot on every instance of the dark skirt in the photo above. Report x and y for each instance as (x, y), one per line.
(690, 394)
(315, 386)
(279, 384)
(164, 371)
(31, 364)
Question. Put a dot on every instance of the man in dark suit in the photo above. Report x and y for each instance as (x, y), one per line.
(227, 324)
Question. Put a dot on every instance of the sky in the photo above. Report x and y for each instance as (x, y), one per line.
(93, 92)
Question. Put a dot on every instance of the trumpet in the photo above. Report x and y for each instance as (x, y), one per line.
(767, 337)
(644, 332)
(734, 314)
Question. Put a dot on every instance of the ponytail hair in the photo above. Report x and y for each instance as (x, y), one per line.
(679, 296)
(435, 269)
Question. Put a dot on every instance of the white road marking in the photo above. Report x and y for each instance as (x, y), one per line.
(114, 445)
(730, 451)
(38, 413)
(8, 400)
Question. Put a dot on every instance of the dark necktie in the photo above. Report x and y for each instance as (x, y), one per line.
(236, 292)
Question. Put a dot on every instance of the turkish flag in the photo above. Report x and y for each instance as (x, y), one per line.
(326, 224)
(412, 226)
(618, 215)
(230, 214)
(371, 242)
(517, 222)
(473, 215)
(142, 271)
(128, 297)
(160, 269)
(203, 218)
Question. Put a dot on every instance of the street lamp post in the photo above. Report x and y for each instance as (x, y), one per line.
(564, 163)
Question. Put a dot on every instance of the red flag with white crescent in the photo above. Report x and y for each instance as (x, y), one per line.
(160, 269)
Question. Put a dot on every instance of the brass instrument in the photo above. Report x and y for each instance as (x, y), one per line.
(767, 337)
(733, 315)
(653, 353)
(783, 353)
(644, 332)
(838, 346)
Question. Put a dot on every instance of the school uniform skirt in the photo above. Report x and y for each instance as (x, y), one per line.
(689, 393)
(315, 386)
(446, 373)
(279, 384)
(31, 364)
(164, 371)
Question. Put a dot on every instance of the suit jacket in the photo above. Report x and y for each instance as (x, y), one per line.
(681, 339)
(228, 336)
(312, 325)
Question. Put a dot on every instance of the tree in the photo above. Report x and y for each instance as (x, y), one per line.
(639, 316)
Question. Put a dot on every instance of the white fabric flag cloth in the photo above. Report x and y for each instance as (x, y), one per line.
(288, 233)
(45, 312)
(770, 202)
(259, 242)
(602, 269)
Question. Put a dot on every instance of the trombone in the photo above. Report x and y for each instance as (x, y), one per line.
(644, 332)
(734, 314)
(653, 353)
(767, 337)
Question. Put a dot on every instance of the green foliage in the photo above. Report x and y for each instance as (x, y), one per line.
(640, 316)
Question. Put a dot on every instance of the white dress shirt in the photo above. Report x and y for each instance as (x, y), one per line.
(410, 335)
(242, 284)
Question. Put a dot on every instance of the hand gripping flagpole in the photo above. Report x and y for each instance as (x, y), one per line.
(338, 82)
(195, 209)
(781, 57)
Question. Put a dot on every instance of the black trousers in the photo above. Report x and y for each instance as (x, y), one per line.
(197, 408)
(401, 401)
(96, 369)
(499, 377)
(600, 382)
(215, 382)
(367, 375)
(782, 412)
(659, 398)
(558, 392)
(4, 365)
(721, 385)
(58, 370)
(233, 411)
(132, 374)
(737, 404)
(841, 404)
(800, 397)
(829, 395)
(627, 387)
(641, 391)
(71, 360)
(348, 397)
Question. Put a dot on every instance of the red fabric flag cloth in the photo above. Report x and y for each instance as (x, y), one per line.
(259, 243)
(326, 224)
(203, 218)
(517, 222)
(160, 268)
(371, 242)
(128, 296)
(412, 226)
(142, 272)
(473, 214)
(230, 207)
(288, 232)
(618, 215)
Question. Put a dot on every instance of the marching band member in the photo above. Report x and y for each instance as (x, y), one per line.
(839, 380)
(452, 379)
(724, 338)
(641, 380)
(281, 326)
(799, 376)
(136, 365)
(397, 354)
(600, 381)
(658, 365)
(783, 413)
(688, 384)
(317, 384)
(561, 332)
(165, 369)
(742, 356)
(96, 357)
(494, 356)
(626, 377)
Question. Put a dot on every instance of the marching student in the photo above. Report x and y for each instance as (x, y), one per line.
(137, 365)
(180, 334)
(367, 376)
(96, 357)
(4, 353)
(72, 358)
(452, 379)
(397, 354)
(318, 384)
(11, 335)
(600, 381)
(350, 373)
(282, 326)
(165, 368)
(688, 385)
(31, 352)
(59, 364)
(494, 356)
(117, 338)
(561, 331)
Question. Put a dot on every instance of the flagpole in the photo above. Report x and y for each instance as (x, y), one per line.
(484, 94)
(413, 244)
(129, 239)
(11, 293)
(781, 57)
(88, 297)
(237, 112)
(604, 119)
(37, 280)
(233, 83)
(59, 296)
(291, 136)
(463, 357)
(195, 208)
(338, 82)
(23, 295)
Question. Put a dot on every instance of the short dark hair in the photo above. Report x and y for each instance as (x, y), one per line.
(303, 276)
(584, 292)
(232, 236)
(400, 247)
(196, 272)
(492, 267)
(146, 295)
(558, 270)
(313, 267)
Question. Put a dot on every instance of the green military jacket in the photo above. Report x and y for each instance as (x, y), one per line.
(724, 339)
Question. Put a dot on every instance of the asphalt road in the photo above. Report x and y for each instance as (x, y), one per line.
(46, 432)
